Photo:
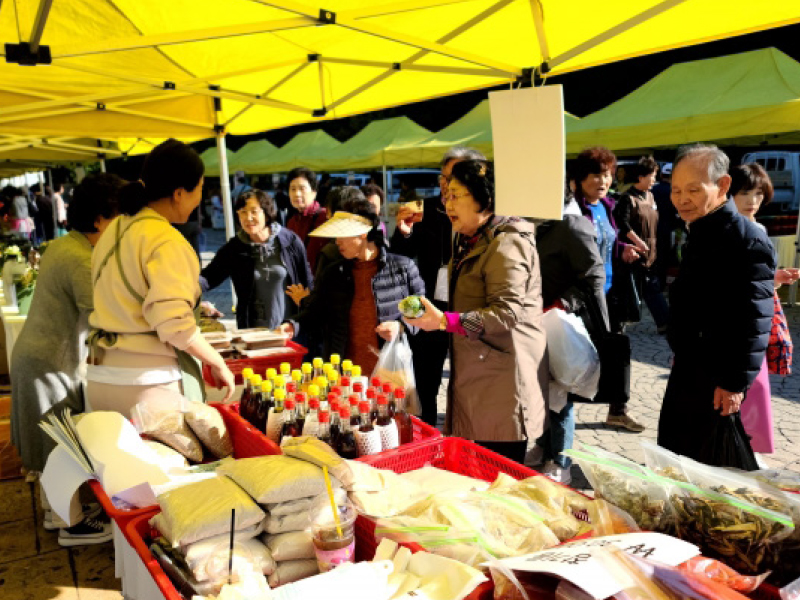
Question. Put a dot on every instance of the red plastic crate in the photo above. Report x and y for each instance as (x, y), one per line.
(138, 532)
(423, 431)
(247, 442)
(293, 355)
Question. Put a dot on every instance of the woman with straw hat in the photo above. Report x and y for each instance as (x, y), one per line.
(354, 303)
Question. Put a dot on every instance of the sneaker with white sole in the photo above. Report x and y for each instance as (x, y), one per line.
(535, 456)
(52, 521)
(557, 473)
(87, 532)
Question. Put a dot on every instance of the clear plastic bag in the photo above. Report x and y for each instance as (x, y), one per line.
(663, 462)
(722, 573)
(574, 362)
(395, 366)
(160, 416)
(608, 519)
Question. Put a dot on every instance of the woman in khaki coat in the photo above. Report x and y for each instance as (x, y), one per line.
(498, 370)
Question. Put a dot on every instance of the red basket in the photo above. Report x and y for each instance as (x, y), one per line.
(423, 431)
(293, 355)
(137, 531)
(247, 442)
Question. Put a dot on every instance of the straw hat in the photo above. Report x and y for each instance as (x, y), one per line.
(343, 224)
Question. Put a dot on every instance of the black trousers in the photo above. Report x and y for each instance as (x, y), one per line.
(513, 450)
(429, 350)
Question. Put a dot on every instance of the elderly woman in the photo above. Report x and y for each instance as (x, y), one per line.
(310, 215)
(47, 365)
(355, 300)
(721, 307)
(637, 217)
(265, 262)
(591, 177)
(144, 338)
(498, 375)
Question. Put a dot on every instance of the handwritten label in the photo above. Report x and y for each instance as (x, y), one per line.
(578, 562)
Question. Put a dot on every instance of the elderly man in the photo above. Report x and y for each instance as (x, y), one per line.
(721, 305)
(430, 242)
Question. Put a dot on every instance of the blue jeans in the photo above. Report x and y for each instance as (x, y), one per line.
(559, 436)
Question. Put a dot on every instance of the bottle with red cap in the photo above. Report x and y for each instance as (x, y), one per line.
(312, 418)
(388, 391)
(324, 427)
(302, 408)
(375, 383)
(346, 441)
(405, 427)
(335, 427)
(290, 426)
(355, 418)
(345, 383)
(368, 439)
(277, 414)
(373, 407)
(386, 425)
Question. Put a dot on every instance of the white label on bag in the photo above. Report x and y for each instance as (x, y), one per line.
(442, 292)
(577, 561)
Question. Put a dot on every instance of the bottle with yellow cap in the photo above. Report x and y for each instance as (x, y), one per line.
(265, 403)
(297, 378)
(279, 381)
(318, 370)
(322, 384)
(347, 367)
(308, 372)
(336, 363)
(333, 378)
(248, 411)
(271, 373)
(275, 417)
(357, 378)
(285, 369)
(312, 419)
(247, 373)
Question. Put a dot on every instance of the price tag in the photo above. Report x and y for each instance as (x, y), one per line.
(577, 561)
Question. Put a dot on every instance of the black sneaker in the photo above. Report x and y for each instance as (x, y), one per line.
(87, 532)
(93, 510)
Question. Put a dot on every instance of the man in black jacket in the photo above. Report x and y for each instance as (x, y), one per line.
(430, 243)
(721, 305)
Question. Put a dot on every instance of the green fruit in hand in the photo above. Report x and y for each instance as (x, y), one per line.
(411, 307)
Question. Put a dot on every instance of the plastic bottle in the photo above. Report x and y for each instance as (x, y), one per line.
(290, 425)
(297, 379)
(322, 384)
(355, 418)
(368, 439)
(347, 367)
(285, 369)
(248, 411)
(405, 426)
(345, 383)
(279, 381)
(333, 377)
(336, 363)
(318, 372)
(346, 442)
(308, 374)
(312, 417)
(390, 437)
(376, 383)
(244, 399)
(301, 401)
(357, 378)
(271, 373)
(264, 405)
(333, 403)
(373, 407)
(324, 427)
(276, 416)
(388, 391)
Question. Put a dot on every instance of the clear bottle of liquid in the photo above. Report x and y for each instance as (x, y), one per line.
(336, 429)
(244, 399)
(248, 410)
(322, 384)
(263, 407)
(373, 406)
(405, 426)
(390, 437)
(285, 369)
(279, 381)
(347, 367)
(333, 378)
(311, 424)
(324, 428)
(388, 391)
(355, 417)
(308, 376)
(271, 373)
(368, 439)
(302, 409)
(346, 385)
(276, 417)
(346, 442)
(375, 383)
(318, 364)
(290, 425)
(297, 379)
(336, 363)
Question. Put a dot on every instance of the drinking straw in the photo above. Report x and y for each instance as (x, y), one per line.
(230, 551)
(333, 502)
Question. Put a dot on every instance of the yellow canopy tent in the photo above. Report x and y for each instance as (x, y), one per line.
(307, 149)
(752, 96)
(195, 68)
(250, 153)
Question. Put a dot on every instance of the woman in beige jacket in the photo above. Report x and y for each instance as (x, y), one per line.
(144, 336)
(498, 370)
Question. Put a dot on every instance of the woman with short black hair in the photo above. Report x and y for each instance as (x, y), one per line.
(302, 183)
(265, 261)
(48, 357)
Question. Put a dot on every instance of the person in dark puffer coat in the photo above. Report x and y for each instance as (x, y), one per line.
(721, 304)
(354, 305)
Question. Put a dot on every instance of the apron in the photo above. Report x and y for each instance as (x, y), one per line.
(191, 370)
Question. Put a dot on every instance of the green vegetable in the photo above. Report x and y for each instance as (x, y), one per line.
(411, 307)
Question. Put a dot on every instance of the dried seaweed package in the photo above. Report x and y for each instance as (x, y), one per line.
(664, 462)
(744, 536)
(630, 487)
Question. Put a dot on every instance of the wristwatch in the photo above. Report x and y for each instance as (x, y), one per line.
(443, 323)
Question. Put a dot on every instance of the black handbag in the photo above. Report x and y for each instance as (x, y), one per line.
(614, 351)
(624, 299)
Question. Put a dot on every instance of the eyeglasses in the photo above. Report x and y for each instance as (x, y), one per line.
(455, 197)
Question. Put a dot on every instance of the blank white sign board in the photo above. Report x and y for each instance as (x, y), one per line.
(529, 151)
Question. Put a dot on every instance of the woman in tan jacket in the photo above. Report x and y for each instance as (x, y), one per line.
(144, 337)
(498, 370)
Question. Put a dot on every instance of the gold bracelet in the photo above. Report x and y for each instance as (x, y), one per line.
(443, 323)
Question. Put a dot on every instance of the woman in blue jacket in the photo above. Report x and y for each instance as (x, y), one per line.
(265, 261)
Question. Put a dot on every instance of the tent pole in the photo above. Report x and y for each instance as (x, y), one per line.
(227, 206)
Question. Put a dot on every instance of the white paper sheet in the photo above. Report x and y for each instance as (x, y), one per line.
(528, 138)
(61, 478)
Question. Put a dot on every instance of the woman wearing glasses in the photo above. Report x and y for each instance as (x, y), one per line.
(497, 371)
(265, 261)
